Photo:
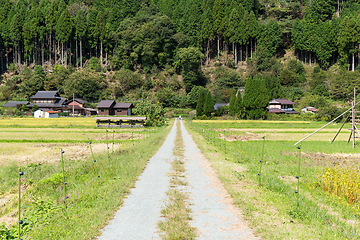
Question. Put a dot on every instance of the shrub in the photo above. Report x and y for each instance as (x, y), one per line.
(154, 112)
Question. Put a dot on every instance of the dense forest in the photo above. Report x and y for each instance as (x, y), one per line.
(162, 49)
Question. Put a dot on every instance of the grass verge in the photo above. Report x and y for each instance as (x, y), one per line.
(273, 208)
(94, 190)
(176, 213)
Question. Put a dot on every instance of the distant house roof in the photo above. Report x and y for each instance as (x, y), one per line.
(217, 105)
(46, 95)
(281, 101)
(106, 104)
(275, 110)
(79, 100)
(52, 111)
(14, 103)
(60, 102)
(123, 105)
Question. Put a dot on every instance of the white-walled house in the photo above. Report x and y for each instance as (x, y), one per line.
(45, 114)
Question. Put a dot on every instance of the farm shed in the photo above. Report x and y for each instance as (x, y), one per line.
(110, 107)
(45, 114)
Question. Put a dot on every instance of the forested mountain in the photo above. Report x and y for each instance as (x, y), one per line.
(152, 36)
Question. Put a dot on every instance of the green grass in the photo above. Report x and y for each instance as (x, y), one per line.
(92, 200)
(176, 213)
(273, 208)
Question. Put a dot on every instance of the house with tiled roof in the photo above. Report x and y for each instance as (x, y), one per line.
(281, 106)
(46, 100)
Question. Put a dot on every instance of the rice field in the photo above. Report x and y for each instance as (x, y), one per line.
(315, 187)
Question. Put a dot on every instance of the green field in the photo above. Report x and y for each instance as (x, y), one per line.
(261, 175)
(34, 146)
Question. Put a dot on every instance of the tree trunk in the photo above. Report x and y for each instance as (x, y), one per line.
(218, 46)
(246, 52)
(7, 57)
(66, 55)
(208, 52)
(251, 48)
(235, 54)
(359, 57)
(70, 53)
(101, 54)
(353, 60)
(106, 59)
(76, 54)
(81, 53)
(241, 50)
(62, 54)
(14, 54)
(50, 48)
(2, 62)
(35, 52)
(255, 47)
(310, 59)
(42, 53)
(55, 49)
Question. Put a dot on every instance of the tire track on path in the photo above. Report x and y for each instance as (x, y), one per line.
(140, 213)
(213, 213)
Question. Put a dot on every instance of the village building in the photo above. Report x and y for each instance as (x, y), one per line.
(281, 106)
(110, 107)
(45, 114)
(15, 103)
(309, 110)
(77, 107)
(48, 100)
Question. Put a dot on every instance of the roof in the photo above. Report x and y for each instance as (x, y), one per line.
(217, 105)
(312, 109)
(52, 111)
(120, 118)
(79, 100)
(106, 104)
(281, 101)
(14, 103)
(291, 112)
(123, 105)
(275, 110)
(60, 102)
(46, 95)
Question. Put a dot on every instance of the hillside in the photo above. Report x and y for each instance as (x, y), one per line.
(159, 49)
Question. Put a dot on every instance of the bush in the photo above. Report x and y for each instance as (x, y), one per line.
(154, 112)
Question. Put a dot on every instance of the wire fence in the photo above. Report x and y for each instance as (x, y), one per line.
(266, 165)
(48, 192)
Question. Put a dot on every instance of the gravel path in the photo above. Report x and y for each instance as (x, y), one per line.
(213, 213)
(138, 217)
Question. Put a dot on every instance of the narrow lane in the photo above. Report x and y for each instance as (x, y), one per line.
(214, 215)
(138, 217)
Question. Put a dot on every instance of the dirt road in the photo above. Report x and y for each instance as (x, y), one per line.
(213, 214)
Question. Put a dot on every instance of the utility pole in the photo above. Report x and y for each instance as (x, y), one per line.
(73, 104)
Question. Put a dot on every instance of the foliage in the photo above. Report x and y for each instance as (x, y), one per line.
(255, 98)
(208, 105)
(85, 84)
(200, 103)
(232, 107)
(153, 111)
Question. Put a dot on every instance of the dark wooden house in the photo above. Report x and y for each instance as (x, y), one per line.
(110, 107)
